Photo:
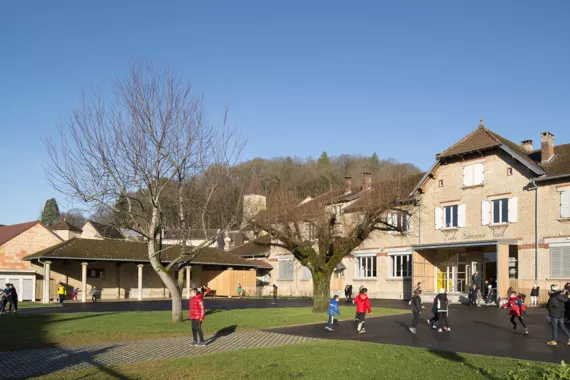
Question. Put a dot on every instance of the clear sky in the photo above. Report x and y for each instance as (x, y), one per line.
(405, 79)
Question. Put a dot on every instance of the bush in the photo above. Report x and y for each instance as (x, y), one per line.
(528, 371)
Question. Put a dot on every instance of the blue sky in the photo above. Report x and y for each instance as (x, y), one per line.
(405, 79)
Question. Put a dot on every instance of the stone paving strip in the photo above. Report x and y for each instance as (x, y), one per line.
(27, 363)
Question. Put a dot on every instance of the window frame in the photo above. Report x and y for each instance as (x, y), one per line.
(503, 203)
(454, 217)
(99, 273)
(397, 260)
(364, 272)
(291, 271)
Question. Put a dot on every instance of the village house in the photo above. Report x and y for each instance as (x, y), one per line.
(496, 207)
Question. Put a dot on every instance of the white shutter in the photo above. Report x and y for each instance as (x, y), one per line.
(410, 223)
(513, 210)
(390, 222)
(565, 204)
(479, 174)
(468, 175)
(461, 215)
(438, 218)
(485, 213)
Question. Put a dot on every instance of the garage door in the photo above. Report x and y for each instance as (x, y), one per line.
(27, 292)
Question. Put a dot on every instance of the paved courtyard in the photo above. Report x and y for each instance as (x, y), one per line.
(484, 331)
(27, 363)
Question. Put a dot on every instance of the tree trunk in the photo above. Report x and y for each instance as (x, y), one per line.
(181, 279)
(167, 280)
(321, 289)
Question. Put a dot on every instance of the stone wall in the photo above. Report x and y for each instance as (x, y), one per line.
(34, 239)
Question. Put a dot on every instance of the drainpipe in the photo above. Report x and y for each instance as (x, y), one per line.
(533, 186)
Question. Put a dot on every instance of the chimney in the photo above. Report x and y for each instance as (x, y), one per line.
(347, 185)
(546, 146)
(227, 243)
(366, 181)
(526, 145)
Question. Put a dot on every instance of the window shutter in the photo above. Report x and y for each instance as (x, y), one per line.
(485, 213)
(461, 215)
(556, 261)
(438, 218)
(479, 174)
(565, 204)
(513, 210)
(468, 175)
(410, 223)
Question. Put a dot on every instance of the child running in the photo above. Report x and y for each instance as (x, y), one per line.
(362, 306)
(441, 302)
(333, 310)
(516, 308)
(433, 321)
(197, 313)
(416, 310)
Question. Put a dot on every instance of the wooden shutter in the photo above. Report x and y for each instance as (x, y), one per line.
(438, 218)
(485, 213)
(410, 227)
(479, 174)
(461, 215)
(513, 210)
(468, 175)
(565, 204)
(391, 222)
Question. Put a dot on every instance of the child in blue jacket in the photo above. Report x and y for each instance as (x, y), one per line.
(333, 310)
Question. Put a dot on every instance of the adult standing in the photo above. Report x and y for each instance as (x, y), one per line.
(349, 299)
(476, 280)
(13, 299)
(275, 302)
(61, 292)
(441, 303)
(555, 308)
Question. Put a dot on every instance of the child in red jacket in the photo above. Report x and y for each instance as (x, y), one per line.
(362, 303)
(196, 314)
(516, 308)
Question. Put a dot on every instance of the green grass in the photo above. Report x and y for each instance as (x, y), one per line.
(29, 304)
(75, 329)
(321, 360)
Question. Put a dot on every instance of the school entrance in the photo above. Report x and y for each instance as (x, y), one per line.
(451, 266)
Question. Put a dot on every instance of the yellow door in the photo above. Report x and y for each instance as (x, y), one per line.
(441, 278)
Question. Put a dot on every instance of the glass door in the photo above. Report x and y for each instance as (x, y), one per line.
(462, 282)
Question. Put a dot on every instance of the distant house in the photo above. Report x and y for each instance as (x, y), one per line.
(66, 230)
(16, 242)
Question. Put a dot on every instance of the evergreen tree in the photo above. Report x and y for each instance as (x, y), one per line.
(50, 214)
(374, 162)
(324, 159)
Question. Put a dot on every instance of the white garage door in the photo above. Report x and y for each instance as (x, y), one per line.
(27, 292)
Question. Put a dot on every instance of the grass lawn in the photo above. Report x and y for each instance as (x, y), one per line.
(75, 329)
(320, 360)
(29, 304)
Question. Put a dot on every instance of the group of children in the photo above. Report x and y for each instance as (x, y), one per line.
(362, 303)
(8, 296)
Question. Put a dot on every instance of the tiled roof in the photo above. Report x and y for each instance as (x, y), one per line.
(262, 264)
(64, 226)
(483, 139)
(122, 250)
(258, 247)
(406, 183)
(107, 231)
(559, 165)
(7, 233)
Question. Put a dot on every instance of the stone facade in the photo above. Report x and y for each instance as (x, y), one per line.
(30, 241)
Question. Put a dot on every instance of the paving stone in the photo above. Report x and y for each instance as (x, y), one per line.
(27, 363)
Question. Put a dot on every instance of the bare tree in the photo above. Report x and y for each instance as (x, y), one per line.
(321, 232)
(127, 154)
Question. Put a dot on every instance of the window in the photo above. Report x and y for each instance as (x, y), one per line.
(366, 267)
(400, 220)
(560, 261)
(95, 273)
(306, 274)
(286, 270)
(473, 175)
(400, 266)
(500, 211)
(311, 231)
(440, 183)
(565, 203)
(509, 171)
(451, 216)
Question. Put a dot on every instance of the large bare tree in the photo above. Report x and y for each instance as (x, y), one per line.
(321, 232)
(145, 156)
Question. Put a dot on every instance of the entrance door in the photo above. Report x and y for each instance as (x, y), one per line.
(445, 277)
